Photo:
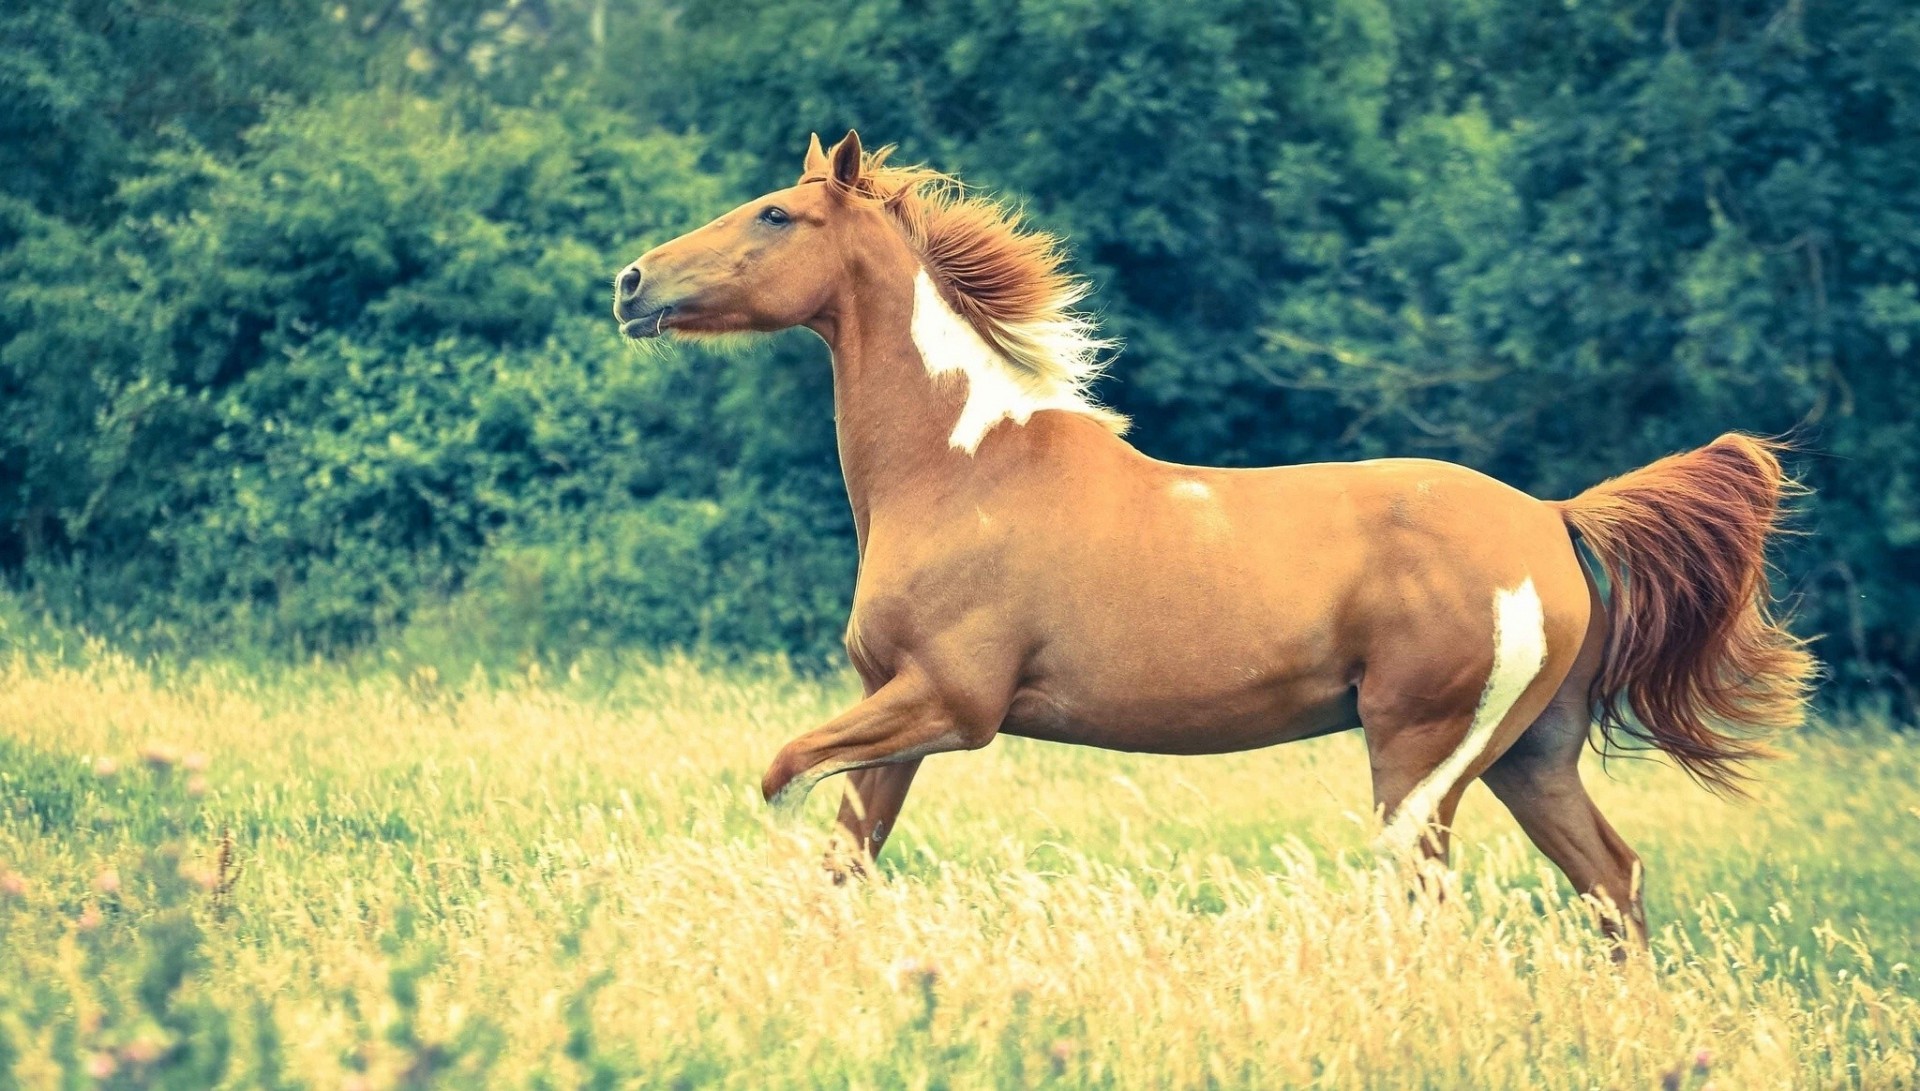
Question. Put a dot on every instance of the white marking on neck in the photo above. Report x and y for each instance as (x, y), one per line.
(996, 390)
(1519, 651)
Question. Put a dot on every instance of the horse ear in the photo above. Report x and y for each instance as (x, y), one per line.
(816, 159)
(847, 160)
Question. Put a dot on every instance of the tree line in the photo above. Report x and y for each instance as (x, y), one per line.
(302, 331)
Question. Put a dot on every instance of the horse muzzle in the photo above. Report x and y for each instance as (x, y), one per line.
(641, 323)
(636, 305)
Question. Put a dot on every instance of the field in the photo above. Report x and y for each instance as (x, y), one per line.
(329, 879)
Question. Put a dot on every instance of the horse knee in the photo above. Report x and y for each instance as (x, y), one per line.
(781, 775)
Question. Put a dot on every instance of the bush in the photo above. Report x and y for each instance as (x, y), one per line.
(368, 370)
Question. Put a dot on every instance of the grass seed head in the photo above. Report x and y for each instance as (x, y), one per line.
(159, 756)
(913, 972)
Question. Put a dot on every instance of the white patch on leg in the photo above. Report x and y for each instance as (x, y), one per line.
(1519, 651)
(996, 390)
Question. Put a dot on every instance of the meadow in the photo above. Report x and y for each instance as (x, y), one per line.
(379, 878)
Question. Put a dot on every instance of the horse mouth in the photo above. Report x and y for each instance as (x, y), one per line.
(647, 326)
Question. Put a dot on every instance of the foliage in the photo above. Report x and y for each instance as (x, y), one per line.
(403, 880)
(361, 366)
(1552, 242)
(1683, 225)
(311, 347)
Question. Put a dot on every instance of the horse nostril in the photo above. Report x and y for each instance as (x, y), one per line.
(629, 282)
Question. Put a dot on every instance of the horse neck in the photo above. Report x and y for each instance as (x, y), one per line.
(898, 422)
(893, 418)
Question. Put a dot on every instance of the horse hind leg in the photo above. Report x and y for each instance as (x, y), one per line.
(1414, 800)
(1538, 779)
(1425, 752)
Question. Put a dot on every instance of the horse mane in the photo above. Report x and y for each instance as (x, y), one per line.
(1007, 280)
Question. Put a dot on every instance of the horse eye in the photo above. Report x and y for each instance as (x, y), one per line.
(774, 215)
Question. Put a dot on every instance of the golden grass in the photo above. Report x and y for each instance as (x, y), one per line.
(548, 882)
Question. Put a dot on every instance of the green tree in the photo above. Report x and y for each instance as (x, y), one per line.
(1553, 242)
(301, 321)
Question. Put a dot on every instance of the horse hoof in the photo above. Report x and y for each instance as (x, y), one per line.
(843, 867)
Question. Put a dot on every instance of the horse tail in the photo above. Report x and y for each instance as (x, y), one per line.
(1696, 663)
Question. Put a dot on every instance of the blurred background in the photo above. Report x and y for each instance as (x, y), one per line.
(304, 346)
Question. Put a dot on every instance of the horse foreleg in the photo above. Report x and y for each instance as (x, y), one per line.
(903, 721)
(872, 804)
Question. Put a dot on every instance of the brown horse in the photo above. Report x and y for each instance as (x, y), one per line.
(1025, 570)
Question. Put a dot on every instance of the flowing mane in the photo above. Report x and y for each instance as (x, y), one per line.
(1006, 280)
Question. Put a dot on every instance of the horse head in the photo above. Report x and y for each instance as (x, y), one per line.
(774, 262)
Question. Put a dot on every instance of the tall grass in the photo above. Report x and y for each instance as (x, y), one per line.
(305, 878)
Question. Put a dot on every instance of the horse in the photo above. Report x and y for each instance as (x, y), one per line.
(1024, 570)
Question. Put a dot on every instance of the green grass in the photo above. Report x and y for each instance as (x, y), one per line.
(570, 882)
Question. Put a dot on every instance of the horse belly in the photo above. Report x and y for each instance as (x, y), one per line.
(1184, 719)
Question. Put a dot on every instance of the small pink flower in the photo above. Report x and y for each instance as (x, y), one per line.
(100, 1066)
(1703, 1060)
(196, 785)
(90, 919)
(12, 885)
(107, 882)
(105, 767)
(204, 878)
(141, 1051)
(1062, 1053)
(195, 762)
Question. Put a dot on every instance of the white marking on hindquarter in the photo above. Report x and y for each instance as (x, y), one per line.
(996, 390)
(1519, 651)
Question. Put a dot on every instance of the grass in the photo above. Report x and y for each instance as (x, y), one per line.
(307, 878)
